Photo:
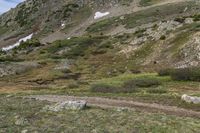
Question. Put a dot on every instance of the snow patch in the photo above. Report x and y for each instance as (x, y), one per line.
(17, 43)
(63, 25)
(100, 14)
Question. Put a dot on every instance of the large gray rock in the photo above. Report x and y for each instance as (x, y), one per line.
(190, 99)
(66, 105)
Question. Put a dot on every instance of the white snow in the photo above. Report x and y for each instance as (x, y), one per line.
(17, 43)
(63, 25)
(100, 14)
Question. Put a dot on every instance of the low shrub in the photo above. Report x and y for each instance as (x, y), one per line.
(148, 82)
(130, 86)
(135, 71)
(28, 44)
(103, 88)
(73, 85)
(165, 72)
(186, 74)
(157, 90)
(163, 37)
(180, 20)
(196, 17)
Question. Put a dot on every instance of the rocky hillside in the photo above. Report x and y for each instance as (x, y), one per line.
(131, 65)
(129, 35)
(45, 17)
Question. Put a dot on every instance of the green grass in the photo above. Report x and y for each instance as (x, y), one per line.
(148, 2)
(89, 120)
(103, 25)
(182, 74)
(77, 46)
(3, 29)
(119, 80)
(179, 41)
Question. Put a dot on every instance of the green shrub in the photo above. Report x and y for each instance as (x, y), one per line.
(157, 90)
(145, 2)
(28, 44)
(148, 82)
(163, 37)
(165, 72)
(77, 46)
(102, 25)
(186, 74)
(196, 17)
(99, 51)
(103, 88)
(180, 20)
(135, 71)
(73, 85)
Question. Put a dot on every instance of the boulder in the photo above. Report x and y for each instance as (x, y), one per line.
(66, 105)
(190, 99)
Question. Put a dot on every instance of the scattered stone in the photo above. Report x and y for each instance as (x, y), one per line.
(7, 68)
(120, 109)
(67, 105)
(8, 96)
(190, 52)
(189, 20)
(24, 131)
(190, 99)
(122, 17)
(20, 121)
(64, 64)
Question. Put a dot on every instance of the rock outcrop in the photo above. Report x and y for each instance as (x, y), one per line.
(190, 99)
(66, 105)
(16, 68)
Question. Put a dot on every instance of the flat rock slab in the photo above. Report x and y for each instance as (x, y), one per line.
(66, 105)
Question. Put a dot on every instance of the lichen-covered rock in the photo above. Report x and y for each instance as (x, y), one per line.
(66, 105)
(189, 20)
(24, 131)
(16, 68)
(20, 121)
(190, 99)
(190, 52)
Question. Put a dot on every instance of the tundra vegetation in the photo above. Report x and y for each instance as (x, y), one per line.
(148, 56)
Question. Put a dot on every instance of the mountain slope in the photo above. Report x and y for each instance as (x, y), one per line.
(134, 36)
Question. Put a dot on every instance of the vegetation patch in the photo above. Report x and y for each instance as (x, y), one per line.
(103, 25)
(157, 90)
(148, 2)
(28, 44)
(76, 46)
(186, 74)
(182, 74)
(33, 119)
(165, 72)
(143, 83)
(127, 85)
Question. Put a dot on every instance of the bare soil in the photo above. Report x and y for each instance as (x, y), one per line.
(114, 103)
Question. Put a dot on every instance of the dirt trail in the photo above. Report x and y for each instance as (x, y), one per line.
(114, 11)
(112, 103)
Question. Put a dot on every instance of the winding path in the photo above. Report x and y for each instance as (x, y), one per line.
(113, 103)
